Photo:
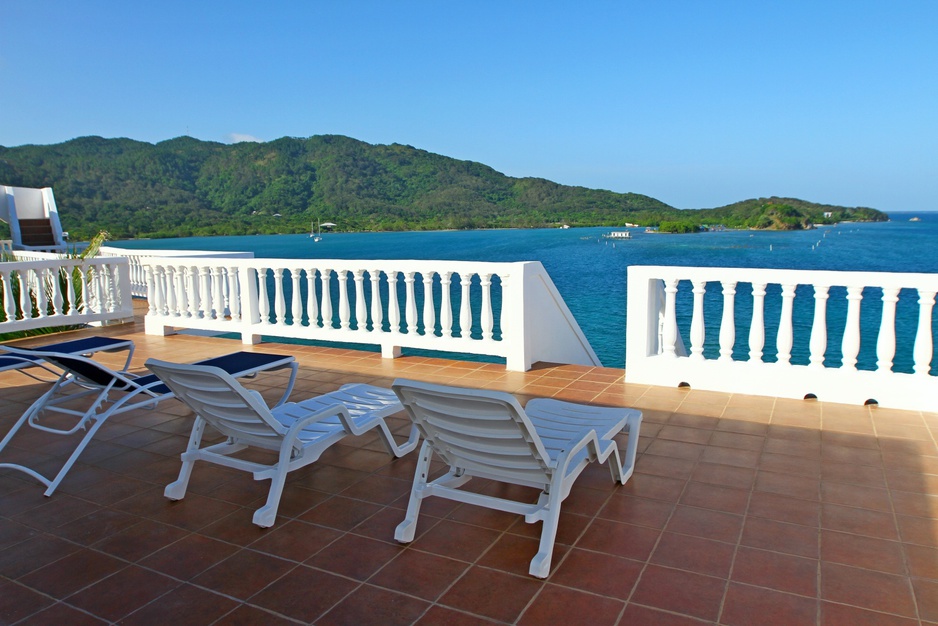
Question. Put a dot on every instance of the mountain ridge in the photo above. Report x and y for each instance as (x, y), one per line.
(185, 187)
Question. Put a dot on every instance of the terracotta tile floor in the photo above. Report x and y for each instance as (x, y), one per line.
(742, 510)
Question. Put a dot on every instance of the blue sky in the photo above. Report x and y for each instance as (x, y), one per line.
(696, 103)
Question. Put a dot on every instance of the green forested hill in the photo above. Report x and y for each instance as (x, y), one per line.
(185, 187)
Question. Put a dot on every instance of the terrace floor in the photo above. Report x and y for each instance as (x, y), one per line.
(742, 510)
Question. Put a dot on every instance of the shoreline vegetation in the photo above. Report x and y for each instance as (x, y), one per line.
(185, 187)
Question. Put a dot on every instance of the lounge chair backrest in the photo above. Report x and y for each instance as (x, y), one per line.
(220, 400)
(485, 433)
(83, 368)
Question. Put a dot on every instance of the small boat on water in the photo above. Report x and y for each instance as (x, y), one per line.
(915, 219)
(315, 232)
(618, 235)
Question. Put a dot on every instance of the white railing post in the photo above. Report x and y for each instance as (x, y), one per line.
(670, 318)
(410, 304)
(922, 352)
(312, 302)
(886, 342)
(394, 309)
(851, 342)
(280, 306)
(446, 304)
(697, 324)
(361, 309)
(326, 301)
(757, 327)
(728, 323)
(465, 312)
(296, 308)
(429, 319)
(377, 315)
(785, 339)
(818, 343)
(343, 299)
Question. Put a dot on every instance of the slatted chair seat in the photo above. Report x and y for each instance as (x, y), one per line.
(87, 393)
(299, 432)
(487, 434)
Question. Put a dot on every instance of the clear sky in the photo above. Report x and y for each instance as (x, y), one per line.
(698, 103)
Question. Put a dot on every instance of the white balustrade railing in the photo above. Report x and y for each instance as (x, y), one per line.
(138, 278)
(849, 337)
(63, 292)
(509, 310)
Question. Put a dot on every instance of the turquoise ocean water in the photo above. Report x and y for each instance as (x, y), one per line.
(590, 272)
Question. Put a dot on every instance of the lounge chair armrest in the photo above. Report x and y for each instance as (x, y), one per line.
(586, 439)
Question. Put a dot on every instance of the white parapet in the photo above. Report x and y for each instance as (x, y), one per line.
(508, 310)
(736, 330)
(56, 291)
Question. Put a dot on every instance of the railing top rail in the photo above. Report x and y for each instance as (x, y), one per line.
(345, 264)
(222, 254)
(788, 276)
(61, 261)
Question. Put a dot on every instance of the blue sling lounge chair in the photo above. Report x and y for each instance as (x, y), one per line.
(22, 359)
(87, 393)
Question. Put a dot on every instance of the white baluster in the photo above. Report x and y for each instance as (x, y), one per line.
(784, 341)
(171, 290)
(218, 292)
(263, 301)
(182, 299)
(429, 316)
(205, 278)
(410, 303)
(818, 343)
(486, 317)
(42, 300)
(851, 342)
(344, 312)
(70, 291)
(279, 301)
(26, 306)
(296, 309)
(9, 306)
(377, 315)
(465, 311)
(191, 284)
(312, 303)
(394, 309)
(234, 293)
(151, 289)
(757, 327)
(886, 342)
(698, 333)
(669, 330)
(446, 305)
(326, 301)
(57, 300)
(922, 352)
(361, 310)
(728, 323)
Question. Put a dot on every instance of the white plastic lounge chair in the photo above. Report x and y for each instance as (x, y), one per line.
(298, 432)
(87, 393)
(486, 434)
(23, 359)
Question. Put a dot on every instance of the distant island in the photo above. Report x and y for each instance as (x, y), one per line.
(186, 187)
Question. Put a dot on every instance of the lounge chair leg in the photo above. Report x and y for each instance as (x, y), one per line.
(267, 514)
(405, 530)
(177, 490)
(74, 457)
(631, 450)
(540, 564)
